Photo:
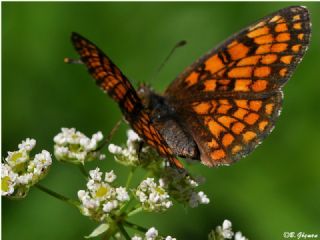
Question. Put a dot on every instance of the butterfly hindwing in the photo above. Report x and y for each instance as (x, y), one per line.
(231, 97)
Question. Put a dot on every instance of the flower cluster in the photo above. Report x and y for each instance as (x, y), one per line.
(20, 171)
(225, 232)
(181, 186)
(101, 199)
(75, 147)
(152, 234)
(135, 155)
(152, 196)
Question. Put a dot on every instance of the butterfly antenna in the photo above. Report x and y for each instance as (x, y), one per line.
(72, 61)
(179, 44)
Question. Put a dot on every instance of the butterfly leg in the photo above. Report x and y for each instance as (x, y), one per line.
(110, 135)
(141, 144)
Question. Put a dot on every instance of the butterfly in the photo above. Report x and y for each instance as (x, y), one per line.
(221, 107)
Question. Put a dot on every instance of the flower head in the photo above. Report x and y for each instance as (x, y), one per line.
(75, 147)
(20, 171)
(152, 234)
(101, 198)
(133, 155)
(181, 186)
(225, 232)
(226, 229)
(152, 196)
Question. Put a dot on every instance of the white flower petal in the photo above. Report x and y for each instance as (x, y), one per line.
(151, 234)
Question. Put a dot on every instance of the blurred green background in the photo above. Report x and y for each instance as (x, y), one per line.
(275, 189)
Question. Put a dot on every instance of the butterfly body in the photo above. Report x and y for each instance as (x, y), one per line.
(221, 107)
(165, 118)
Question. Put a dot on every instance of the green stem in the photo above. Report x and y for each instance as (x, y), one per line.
(135, 226)
(83, 170)
(130, 177)
(113, 229)
(124, 232)
(134, 211)
(57, 195)
(109, 234)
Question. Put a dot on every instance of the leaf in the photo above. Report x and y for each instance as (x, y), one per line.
(98, 230)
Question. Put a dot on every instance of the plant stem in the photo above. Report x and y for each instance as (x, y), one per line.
(83, 170)
(109, 234)
(135, 226)
(134, 211)
(130, 177)
(57, 195)
(124, 232)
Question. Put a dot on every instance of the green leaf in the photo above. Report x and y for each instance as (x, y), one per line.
(98, 230)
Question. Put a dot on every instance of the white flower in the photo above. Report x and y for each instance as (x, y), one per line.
(122, 194)
(17, 157)
(133, 155)
(64, 136)
(114, 149)
(132, 136)
(86, 200)
(21, 171)
(97, 136)
(24, 179)
(74, 146)
(95, 174)
(203, 198)
(101, 199)
(225, 232)
(151, 234)
(85, 142)
(8, 180)
(193, 183)
(182, 187)
(43, 158)
(108, 207)
(27, 144)
(61, 150)
(152, 196)
(40, 163)
(226, 224)
(81, 194)
(110, 177)
(239, 236)
(226, 229)
(170, 238)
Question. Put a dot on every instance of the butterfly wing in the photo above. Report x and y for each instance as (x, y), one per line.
(111, 80)
(230, 98)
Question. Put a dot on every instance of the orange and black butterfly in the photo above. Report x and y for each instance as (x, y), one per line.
(222, 106)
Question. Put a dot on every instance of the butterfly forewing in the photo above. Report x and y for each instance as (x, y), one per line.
(230, 98)
(112, 81)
